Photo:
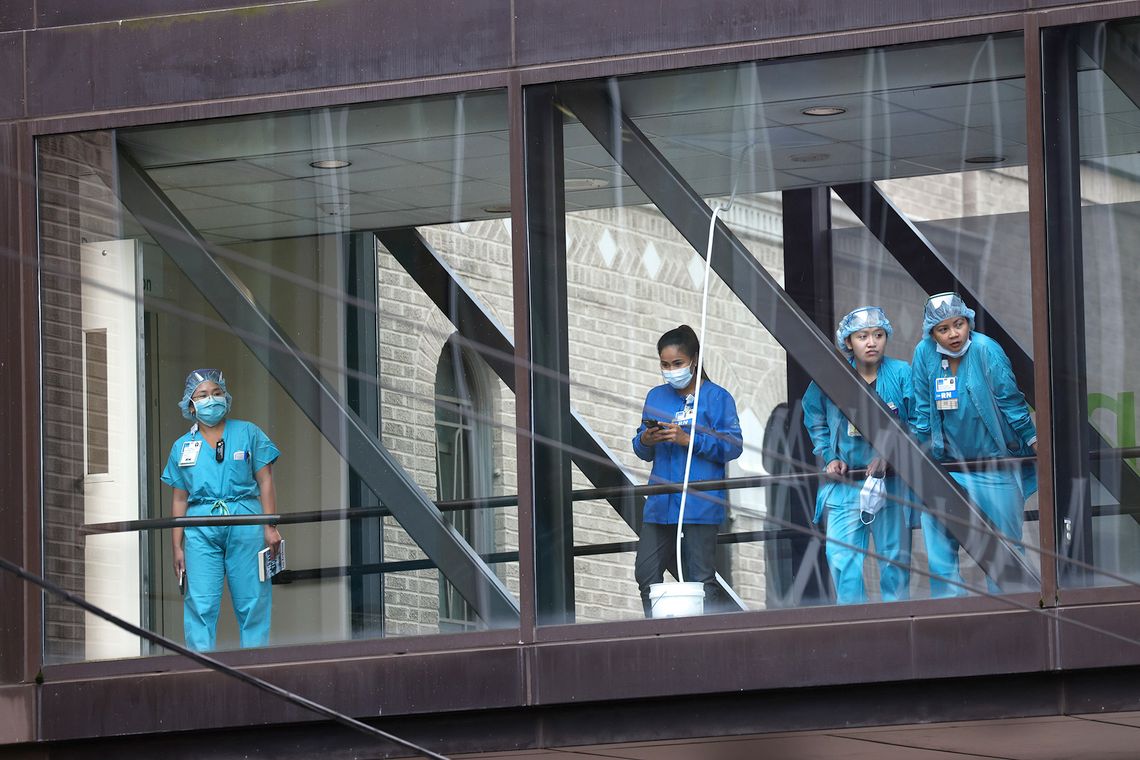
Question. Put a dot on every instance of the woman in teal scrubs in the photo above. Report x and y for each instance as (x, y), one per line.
(862, 337)
(221, 467)
(968, 408)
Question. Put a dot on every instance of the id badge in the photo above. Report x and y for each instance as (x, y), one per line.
(853, 431)
(684, 417)
(946, 393)
(190, 451)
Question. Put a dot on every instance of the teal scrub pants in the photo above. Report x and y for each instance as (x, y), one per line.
(891, 532)
(1000, 497)
(229, 552)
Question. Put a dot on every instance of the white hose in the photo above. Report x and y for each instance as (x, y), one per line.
(697, 389)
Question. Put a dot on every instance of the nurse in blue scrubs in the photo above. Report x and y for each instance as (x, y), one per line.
(968, 408)
(221, 467)
(862, 337)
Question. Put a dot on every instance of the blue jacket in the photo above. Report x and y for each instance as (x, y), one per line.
(995, 421)
(986, 383)
(717, 442)
(828, 429)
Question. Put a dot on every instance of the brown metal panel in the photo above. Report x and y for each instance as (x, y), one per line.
(66, 12)
(771, 49)
(17, 14)
(885, 650)
(1088, 9)
(364, 688)
(287, 655)
(19, 402)
(830, 614)
(528, 615)
(590, 727)
(12, 510)
(554, 30)
(279, 48)
(815, 709)
(1098, 637)
(12, 74)
(29, 395)
(283, 101)
(17, 705)
(1038, 273)
(1074, 13)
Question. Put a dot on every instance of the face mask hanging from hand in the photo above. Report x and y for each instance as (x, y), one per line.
(872, 498)
(678, 378)
(211, 410)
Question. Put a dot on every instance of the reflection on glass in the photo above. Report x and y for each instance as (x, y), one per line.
(872, 178)
(302, 253)
(1098, 523)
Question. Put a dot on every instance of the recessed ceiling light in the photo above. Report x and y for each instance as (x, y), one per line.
(823, 110)
(809, 158)
(332, 209)
(330, 163)
(503, 208)
(585, 183)
(985, 159)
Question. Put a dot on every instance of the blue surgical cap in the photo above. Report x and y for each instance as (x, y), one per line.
(196, 378)
(944, 306)
(863, 318)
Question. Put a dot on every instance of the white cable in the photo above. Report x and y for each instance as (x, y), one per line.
(696, 391)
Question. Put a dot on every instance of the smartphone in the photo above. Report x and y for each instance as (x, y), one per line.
(182, 582)
(650, 423)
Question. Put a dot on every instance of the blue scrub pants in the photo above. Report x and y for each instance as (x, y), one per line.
(1000, 497)
(229, 552)
(891, 532)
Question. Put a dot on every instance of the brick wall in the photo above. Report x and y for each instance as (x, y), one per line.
(75, 206)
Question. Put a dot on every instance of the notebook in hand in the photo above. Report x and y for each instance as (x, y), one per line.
(269, 564)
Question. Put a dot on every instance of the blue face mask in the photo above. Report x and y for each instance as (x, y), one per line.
(678, 378)
(211, 410)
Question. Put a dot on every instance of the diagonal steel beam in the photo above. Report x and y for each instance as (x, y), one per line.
(788, 324)
(1112, 47)
(462, 307)
(929, 268)
(320, 402)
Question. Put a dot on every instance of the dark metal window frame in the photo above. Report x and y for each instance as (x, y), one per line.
(18, 203)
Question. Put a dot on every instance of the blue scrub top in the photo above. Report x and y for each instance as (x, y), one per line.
(247, 450)
(717, 442)
(992, 418)
(831, 439)
(830, 430)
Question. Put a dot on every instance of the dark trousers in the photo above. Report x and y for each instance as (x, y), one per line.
(657, 552)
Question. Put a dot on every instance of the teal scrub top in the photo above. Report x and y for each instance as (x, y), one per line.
(247, 450)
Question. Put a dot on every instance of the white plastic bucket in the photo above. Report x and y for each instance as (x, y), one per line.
(668, 600)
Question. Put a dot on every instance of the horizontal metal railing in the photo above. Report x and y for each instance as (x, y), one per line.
(588, 494)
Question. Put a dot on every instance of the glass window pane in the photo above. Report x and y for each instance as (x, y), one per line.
(302, 254)
(1097, 521)
(876, 177)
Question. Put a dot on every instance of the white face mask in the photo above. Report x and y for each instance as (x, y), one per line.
(678, 378)
(953, 354)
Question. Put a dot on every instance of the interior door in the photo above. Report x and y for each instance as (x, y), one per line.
(111, 439)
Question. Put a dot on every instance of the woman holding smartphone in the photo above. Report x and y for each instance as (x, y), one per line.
(663, 439)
